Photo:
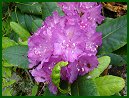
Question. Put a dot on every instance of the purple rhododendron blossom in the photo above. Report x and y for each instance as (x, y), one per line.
(72, 38)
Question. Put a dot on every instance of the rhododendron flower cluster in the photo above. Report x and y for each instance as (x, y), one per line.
(72, 38)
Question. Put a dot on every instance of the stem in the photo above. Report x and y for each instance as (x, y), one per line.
(29, 76)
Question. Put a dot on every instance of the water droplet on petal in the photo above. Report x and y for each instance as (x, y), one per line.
(78, 69)
(83, 69)
(49, 67)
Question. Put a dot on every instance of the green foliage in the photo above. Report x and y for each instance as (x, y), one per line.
(16, 55)
(48, 8)
(6, 27)
(121, 51)
(30, 7)
(29, 22)
(117, 60)
(103, 64)
(6, 42)
(84, 87)
(7, 82)
(47, 92)
(6, 72)
(109, 85)
(18, 17)
(23, 33)
(23, 43)
(56, 74)
(36, 24)
(114, 34)
(6, 92)
(34, 90)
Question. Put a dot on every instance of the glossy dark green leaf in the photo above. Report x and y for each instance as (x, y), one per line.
(13, 36)
(124, 57)
(16, 55)
(36, 24)
(107, 19)
(117, 60)
(122, 50)
(18, 17)
(84, 87)
(30, 7)
(109, 85)
(26, 21)
(114, 34)
(104, 62)
(48, 8)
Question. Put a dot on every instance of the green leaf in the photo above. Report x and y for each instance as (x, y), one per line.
(6, 64)
(34, 90)
(6, 92)
(117, 60)
(6, 27)
(23, 43)
(6, 72)
(122, 50)
(16, 55)
(7, 82)
(30, 7)
(84, 87)
(23, 33)
(124, 57)
(49, 7)
(56, 74)
(18, 17)
(26, 21)
(107, 19)
(103, 64)
(36, 24)
(7, 42)
(114, 34)
(13, 36)
(48, 93)
(109, 85)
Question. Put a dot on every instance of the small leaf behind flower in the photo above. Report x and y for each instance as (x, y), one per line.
(56, 73)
